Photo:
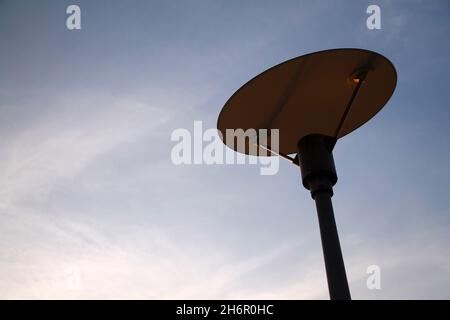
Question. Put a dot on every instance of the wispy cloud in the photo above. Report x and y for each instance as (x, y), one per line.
(87, 187)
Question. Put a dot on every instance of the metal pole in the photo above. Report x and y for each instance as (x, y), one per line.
(319, 176)
(334, 263)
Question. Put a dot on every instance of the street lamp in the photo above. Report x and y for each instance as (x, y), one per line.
(313, 100)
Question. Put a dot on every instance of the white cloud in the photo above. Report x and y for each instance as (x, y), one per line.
(63, 144)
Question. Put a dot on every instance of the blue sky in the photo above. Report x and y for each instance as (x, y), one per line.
(88, 186)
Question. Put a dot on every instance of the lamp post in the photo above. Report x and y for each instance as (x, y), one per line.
(313, 100)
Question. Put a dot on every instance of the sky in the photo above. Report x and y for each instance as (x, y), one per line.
(92, 206)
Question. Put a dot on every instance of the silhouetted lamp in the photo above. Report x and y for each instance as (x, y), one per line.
(313, 100)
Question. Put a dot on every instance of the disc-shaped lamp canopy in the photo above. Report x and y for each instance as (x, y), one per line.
(330, 92)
